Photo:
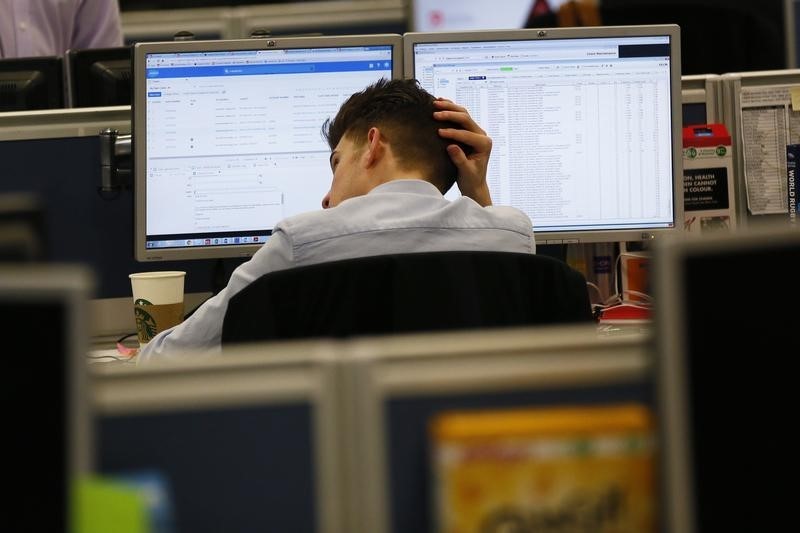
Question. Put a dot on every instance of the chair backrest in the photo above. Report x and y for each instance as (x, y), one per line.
(407, 293)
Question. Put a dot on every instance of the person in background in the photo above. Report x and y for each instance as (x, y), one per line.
(51, 27)
(395, 151)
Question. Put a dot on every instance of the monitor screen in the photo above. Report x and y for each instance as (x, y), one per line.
(227, 135)
(31, 83)
(585, 122)
(99, 77)
(723, 374)
(695, 114)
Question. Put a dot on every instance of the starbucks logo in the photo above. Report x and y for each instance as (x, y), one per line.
(721, 151)
(145, 323)
(691, 153)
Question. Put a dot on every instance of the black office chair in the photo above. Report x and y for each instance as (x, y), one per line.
(407, 293)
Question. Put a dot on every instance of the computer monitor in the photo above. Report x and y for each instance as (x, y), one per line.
(725, 333)
(399, 384)
(46, 415)
(701, 99)
(586, 122)
(244, 442)
(227, 135)
(31, 83)
(99, 77)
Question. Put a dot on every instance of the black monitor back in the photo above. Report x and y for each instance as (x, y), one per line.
(31, 83)
(99, 76)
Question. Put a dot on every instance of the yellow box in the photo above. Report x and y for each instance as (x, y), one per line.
(576, 469)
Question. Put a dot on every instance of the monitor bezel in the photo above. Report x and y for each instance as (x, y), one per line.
(69, 286)
(671, 348)
(411, 39)
(139, 124)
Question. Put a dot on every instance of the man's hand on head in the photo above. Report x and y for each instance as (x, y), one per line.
(471, 167)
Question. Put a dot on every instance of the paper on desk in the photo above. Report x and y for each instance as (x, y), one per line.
(769, 121)
(107, 355)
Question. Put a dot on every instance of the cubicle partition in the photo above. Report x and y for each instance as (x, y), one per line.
(762, 113)
(282, 18)
(325, 18)
(162, 25)
(56, 155)
(331, 436)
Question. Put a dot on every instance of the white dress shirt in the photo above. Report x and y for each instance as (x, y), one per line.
(402, 216)
(51, 27)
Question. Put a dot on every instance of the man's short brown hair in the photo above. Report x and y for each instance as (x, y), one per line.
(404, 113)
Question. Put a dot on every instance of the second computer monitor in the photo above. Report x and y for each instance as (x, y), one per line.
(31, 83)
(585, 122)
(228, 135)
(99, 76)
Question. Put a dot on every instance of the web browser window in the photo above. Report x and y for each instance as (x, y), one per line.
(234, 140)
(582, 127)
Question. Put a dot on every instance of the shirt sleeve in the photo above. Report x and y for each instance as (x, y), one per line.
(97, 25)
(203, 330)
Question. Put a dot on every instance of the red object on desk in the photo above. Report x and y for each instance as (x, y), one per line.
(625, 312)
(706, 135)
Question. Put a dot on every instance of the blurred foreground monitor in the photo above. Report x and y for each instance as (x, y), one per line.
(726, 324)
(47, 434)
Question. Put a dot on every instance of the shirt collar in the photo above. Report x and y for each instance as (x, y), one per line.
(408, 186)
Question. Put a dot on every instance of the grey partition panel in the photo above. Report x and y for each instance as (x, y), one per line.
(162, 25)
(327, 18)
(282, 18)
(55, 155)
(764, 139)
(396, 385)
(792, 22)
(245, 442)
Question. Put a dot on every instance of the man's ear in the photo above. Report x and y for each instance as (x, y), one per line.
(376, 148)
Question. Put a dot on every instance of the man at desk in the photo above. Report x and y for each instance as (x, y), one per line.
(395, 151)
